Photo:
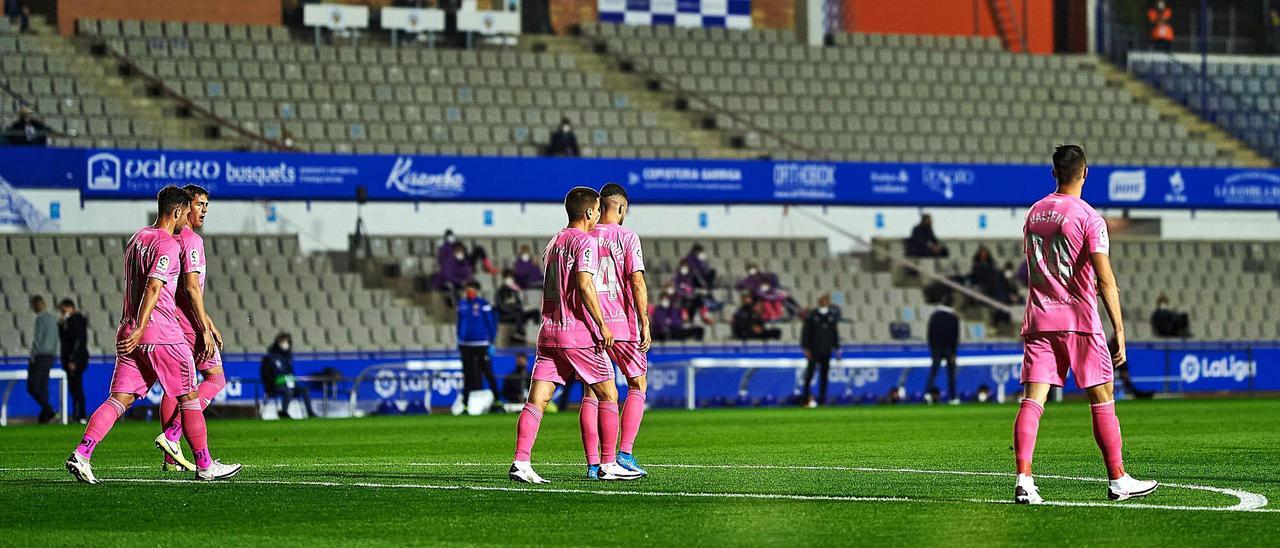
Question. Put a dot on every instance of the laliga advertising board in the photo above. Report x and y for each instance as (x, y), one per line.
(138, 174)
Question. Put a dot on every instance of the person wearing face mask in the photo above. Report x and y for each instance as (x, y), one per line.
(748, 324)
(477, 329)
(704, 277)
(512, 314)
(455, 271)
(278, 379)
(1167, 322)
(563, 141)
(527, 273)
(73, 330)
(668, 321)
(820, 339)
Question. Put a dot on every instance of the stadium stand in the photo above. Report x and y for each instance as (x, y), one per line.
(263, 285)
(906, 97)
(1235, 309)
(1244, 93)
(719, 93)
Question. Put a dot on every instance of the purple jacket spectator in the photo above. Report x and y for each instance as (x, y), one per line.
(704, 276)
(527, 273)
(755, 282)
(685, 282)
(666, 319)
(455, 270)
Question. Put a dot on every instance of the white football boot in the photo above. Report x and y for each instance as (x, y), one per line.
(1026, 492)
(1126, 488)
(612, 471)
(522, 471)
(174, 450)
(218, 471)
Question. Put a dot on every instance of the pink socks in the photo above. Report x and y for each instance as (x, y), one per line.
(99, 424)
(608, 431)
(208, 389)
(527, 431)
(1106, 431)
(1025, 428)
(194, 429)
(632, 414)
(589, 421)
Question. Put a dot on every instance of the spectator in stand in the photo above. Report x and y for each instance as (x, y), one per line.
(1170, 323)
(278, 378)
(73, 330)
(704, 277)
(686, 291)
(527, 273)
(944, 340)
(820, 339)
(667, 322)
(19, 14)
(455, 271)
(515, 385)
(512, 312)
(563, 141)
(477, 329)
(748, 324)
(1273, 29)
(923, 242)
(27, 130)
(773, 301)
(983, 273)
(44, 346)
(1161, 18)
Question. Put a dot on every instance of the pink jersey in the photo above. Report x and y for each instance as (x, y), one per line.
(151, 253)
(565, 320)
(191, 247)
(1061, 234)
(620, 257)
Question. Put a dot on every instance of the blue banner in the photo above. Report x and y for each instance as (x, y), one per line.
(1197, 367)
(138, 174)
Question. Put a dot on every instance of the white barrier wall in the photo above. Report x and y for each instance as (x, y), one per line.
(325, 225)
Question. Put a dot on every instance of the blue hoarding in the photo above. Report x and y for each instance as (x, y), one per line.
(134, 174)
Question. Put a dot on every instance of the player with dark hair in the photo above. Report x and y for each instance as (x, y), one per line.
(1067, 249)
(149, 343)
(197, 329)
(574, 336)
(624, 299)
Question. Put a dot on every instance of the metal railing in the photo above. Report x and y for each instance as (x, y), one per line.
(705, 103)
(282, 144)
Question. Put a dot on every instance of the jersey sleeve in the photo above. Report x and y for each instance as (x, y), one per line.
(193, 255)
(162, 260)
(1095, 235)
(586, 255)
(634, 260)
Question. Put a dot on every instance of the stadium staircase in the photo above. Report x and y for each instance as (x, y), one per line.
(141, 119)
(708, 142)
(1007, 26)
(1228, 145)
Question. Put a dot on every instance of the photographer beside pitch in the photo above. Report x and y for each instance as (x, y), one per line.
(1067, 251)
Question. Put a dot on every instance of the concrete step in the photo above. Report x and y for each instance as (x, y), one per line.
(1228, 146)
(685, 124)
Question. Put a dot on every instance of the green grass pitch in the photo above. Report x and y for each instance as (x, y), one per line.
(778, 477)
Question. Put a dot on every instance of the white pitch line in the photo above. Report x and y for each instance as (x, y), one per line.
(1248, 502)
(683, 494)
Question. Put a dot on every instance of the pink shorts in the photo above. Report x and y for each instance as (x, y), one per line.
(204, 365)
(1048, 356)
(558, 365)
(171, 364)
(628, 357)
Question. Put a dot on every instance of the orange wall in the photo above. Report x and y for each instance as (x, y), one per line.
(240, 12)
(948, 17)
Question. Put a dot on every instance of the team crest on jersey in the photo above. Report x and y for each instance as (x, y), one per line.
(163, 263)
